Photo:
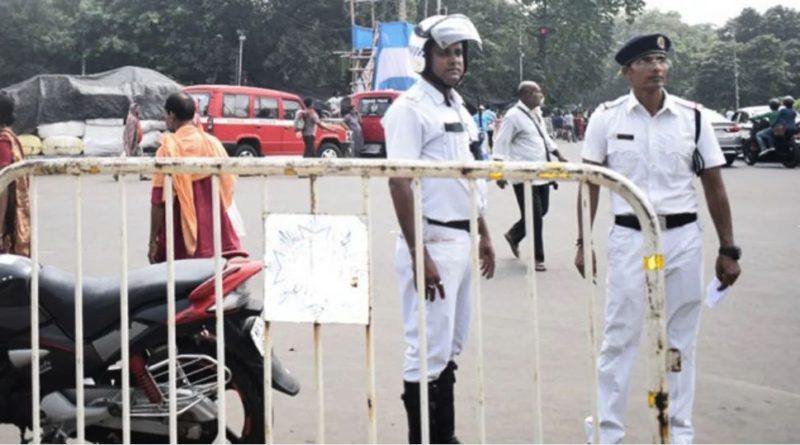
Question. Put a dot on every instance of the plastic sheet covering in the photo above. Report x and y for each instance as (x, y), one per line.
(103, 140)
(70, 128)
(151, 140)
(62, 146)
(151, 125)
(50, 98)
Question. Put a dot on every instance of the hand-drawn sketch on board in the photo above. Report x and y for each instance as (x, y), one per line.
(316, 269)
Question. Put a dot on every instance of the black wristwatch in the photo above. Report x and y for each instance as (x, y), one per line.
(734, 252)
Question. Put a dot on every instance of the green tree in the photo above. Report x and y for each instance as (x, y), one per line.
(36, 39)
(764, 70)
(714, 85)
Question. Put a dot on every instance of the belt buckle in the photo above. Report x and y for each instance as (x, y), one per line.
(662, 222)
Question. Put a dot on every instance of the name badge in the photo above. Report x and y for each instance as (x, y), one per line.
(454, 127)
(625, 137)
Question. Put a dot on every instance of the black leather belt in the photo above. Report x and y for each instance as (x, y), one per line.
(460, 224)
(665, 221)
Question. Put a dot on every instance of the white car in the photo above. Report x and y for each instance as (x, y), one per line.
(728, 134)
(742, 119)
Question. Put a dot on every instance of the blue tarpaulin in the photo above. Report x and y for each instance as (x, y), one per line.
(362, 37)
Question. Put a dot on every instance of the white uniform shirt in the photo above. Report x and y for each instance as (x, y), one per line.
(655, 152)
(415, 126)
(520, 140)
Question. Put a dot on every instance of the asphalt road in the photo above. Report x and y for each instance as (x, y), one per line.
(748, 353)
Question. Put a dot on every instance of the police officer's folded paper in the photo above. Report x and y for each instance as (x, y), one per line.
(713, 295)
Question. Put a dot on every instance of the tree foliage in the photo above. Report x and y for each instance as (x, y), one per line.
(763, 49)
(292, 44)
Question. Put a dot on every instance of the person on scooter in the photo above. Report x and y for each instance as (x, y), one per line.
(785, 125)
(764, 136)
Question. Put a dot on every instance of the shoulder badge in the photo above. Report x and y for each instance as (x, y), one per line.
(614, 103)
(687, 103)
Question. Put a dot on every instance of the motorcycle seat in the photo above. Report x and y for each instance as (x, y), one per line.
(101, 296)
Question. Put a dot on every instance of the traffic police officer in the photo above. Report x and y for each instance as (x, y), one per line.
(429, 122)
(652, 138)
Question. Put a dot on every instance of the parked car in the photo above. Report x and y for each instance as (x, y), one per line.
(742, 116)
(372, 105)
(728, 134)
(260, 122)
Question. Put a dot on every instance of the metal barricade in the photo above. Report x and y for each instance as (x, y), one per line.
(471, 171)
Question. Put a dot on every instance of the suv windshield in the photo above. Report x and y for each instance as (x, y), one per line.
(202, 100)
(374, 106)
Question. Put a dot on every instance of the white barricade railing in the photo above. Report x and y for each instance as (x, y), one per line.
(472, 171)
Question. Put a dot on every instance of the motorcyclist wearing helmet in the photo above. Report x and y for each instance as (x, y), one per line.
(429, 122)
(786, 120)
(764, 137)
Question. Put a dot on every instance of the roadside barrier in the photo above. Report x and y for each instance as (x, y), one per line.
(653, 263)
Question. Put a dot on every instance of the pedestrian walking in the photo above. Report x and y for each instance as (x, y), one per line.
(429, 122)
(659, 142)
(305, 123)
(132, 136)
(352, 119)
(523, 138)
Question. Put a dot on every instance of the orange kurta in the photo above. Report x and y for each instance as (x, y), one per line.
(191, 142)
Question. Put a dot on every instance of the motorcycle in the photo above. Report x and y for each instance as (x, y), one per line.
(786, 149)
(196, 364)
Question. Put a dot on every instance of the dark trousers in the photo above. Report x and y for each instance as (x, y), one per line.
(541, 203)
(309, 152)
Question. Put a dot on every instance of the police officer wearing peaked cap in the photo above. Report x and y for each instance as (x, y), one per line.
(429, 122)
(652, 138)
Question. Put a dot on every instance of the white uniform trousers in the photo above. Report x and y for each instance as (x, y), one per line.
(625, 310)
(447, 319)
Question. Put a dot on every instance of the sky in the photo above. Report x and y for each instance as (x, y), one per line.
(716, 12)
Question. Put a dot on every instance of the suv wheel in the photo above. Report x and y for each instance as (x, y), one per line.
(329, 150)
(246, 151)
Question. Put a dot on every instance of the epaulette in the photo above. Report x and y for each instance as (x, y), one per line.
(688, 103)
(414, 94)
(611, 104)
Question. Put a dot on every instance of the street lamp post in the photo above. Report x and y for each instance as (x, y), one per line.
(521, 55)
(735, 74)
(242, 38)
(732, 34)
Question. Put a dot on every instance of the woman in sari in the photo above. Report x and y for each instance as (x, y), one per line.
(15, 225)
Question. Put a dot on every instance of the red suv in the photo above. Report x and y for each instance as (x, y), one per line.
(260, 122)
(372, 105)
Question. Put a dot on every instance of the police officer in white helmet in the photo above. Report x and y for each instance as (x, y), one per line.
(429, 122)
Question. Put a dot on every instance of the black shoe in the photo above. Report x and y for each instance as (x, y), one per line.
(514, 246)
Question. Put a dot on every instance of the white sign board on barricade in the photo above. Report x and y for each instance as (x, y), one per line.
(317, 269)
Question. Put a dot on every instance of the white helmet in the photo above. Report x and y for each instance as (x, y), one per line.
(445, 30)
